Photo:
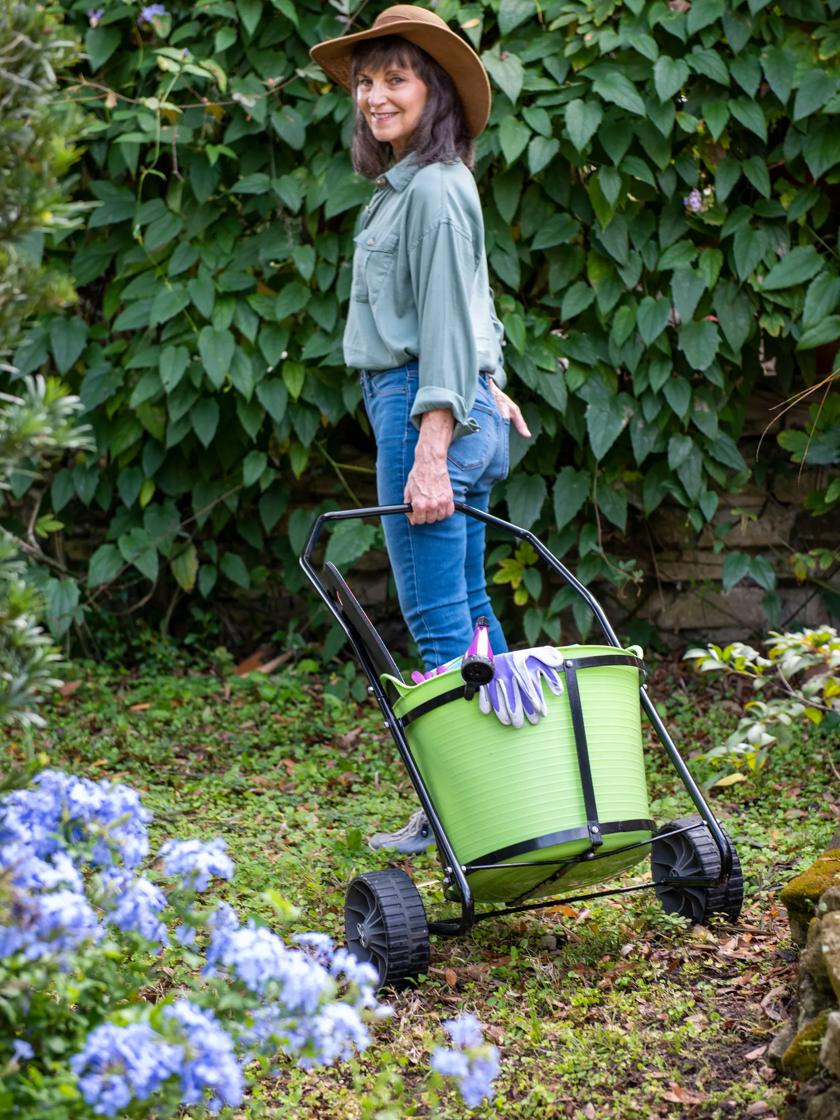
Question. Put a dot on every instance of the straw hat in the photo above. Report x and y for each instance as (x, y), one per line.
(427, 30)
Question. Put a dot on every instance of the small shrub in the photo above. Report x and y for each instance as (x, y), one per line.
(798, 679)
(123, 993)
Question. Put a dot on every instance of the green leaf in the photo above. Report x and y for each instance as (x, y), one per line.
(686, 288)
(606, 418)
(258, 183)
(506, 71)
(525, 495)
(624, 320)
(582, 121)
(515, 330)
(67, 341)
(100, 44)
(763, 572)
(253, 466)
(294, 375)
(821, 299)
(821, 148)
(513, 137)
(167, 303)
(709, 265)
(560, 229)
(570, 491)
(207, 579)
(216, 348)
(202, 294)
(613, 504)
(735, 313)
(748, 248)
(62, 601)
(669, 76)
(293, 298)
(184, 567)
(755, 169)
(349, 541)
(137, 549)
(652, 318)
(779, 66)
(233, 566)
(827, 330)
(699, 342)
(702, 13)
(736, 565)
(250, 12)
(204, 418)
(816, 88)
(273, 396)
(750, 114)
(710, 64)
(747, 73)
(541, 152)
(616, 89)
(539, 120)
(677, 392)
(576, 299)
(104, 565)
(173, 364)
(272, 506)
(727, 174)
(514, 12)
(796, 266)
(129, 482)
(289, 126)
(716, 115)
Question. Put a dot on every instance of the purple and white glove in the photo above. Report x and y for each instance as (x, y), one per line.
(418, 676)
(516, 691)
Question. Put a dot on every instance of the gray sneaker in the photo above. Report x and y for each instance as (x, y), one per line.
(412, 838)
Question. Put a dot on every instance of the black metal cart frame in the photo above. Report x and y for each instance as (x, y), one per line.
(369, 650)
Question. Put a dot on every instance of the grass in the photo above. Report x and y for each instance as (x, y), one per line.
(608, 1009)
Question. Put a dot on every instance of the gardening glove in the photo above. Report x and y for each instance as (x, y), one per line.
(418, 677)
(516, 691)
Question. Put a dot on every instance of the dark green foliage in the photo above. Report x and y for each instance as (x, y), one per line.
(658, 183)
(34, 153)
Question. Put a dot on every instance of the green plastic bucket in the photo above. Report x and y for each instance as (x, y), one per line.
(509, 795)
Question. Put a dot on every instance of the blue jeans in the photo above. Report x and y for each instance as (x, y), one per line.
(439, 567)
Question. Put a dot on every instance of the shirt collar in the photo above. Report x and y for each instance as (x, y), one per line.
(401, 174)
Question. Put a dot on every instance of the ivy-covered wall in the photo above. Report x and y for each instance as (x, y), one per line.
(661, 206)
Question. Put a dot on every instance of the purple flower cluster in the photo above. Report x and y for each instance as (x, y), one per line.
(150, 13)
(95, 16)
(195, 862)
(693, 201)
(121, 1064)
(133, 904)
(61, 811)
(473, 1063)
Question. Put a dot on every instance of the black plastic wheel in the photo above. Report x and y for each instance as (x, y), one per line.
(386, 925)
(693, 854)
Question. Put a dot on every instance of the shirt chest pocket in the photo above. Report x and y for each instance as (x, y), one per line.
(373, 264)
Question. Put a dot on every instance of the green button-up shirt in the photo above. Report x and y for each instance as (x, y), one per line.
(420, 287)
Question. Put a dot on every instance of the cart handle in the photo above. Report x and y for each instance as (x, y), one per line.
(479, 515)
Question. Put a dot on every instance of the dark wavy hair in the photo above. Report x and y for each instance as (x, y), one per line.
(441, 135)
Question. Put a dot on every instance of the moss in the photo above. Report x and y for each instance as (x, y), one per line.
(800, 895)
(801, 1059)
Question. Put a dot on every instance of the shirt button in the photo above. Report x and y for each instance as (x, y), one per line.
(380, 182)
(371, 241)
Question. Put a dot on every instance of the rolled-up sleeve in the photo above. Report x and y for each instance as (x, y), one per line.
(443, 266)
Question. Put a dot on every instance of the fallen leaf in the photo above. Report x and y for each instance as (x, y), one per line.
(451, 977)
(589, 1111)
(69, 687)
(139, 707)
(757, 1053)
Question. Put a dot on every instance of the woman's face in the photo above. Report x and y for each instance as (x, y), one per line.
(391, 100)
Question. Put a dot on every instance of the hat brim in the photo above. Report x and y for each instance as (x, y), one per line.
(458, 59)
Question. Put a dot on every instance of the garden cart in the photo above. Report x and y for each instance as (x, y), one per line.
(522, 813)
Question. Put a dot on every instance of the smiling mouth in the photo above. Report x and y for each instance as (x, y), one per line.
(381, 117)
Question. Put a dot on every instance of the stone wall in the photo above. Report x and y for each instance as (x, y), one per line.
(808, 1047)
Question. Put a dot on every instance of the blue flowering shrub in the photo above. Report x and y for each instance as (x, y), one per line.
(92, 935)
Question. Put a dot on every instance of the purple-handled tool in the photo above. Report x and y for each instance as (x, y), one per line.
(477, 665)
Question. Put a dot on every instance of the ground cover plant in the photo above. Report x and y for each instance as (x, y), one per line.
(657, 181)
(607, 1008)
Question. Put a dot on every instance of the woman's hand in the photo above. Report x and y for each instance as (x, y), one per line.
(427, 487)
(509, 409)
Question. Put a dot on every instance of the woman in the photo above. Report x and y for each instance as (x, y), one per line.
(421, 327)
